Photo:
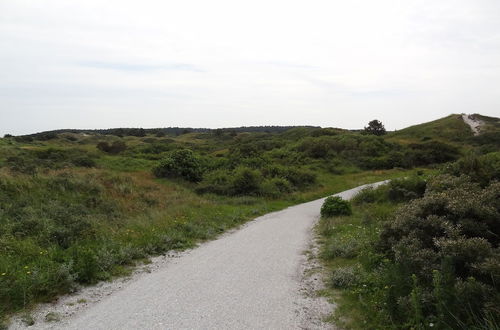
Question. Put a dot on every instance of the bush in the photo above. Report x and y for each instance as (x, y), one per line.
(449, 239)
(114, 148)
(482, 169)
(431, 152)
(406, 189)
(181, 163)
(343, 277)
(246, 181)
(298, 177)
(276, 187)
(335, 206)
(371, 195)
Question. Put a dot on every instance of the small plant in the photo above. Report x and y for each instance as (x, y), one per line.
(335, 206)
(27, 319)
(343, 277)
(52, 317)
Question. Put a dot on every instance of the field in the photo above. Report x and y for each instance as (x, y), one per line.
(77, 207)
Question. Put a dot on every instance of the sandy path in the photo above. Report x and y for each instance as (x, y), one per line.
(475, 124)
(251, 278)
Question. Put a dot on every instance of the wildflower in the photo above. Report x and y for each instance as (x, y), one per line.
(3, 274)
(431, 324)
(25, 267)
(28, 273)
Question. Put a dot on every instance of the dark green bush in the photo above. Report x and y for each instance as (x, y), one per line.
(298, 177)
(276, 187)
(432, 152)
(406, 189)
(246, 181)
(335, 206)
(114, 148)
(449, 239)
(180, 163)
(371, 195)
(482, 169)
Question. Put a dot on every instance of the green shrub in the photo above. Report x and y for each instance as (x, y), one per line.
(335, 206)
(482, 169)
(406, 189)
(344, 248)
(180, 163)
(453, 230)
(371, 195)
(344, 277)
(114, 148)
(246, 181)
(276, 187)
(431, 152)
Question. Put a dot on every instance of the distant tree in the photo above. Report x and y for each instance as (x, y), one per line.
(8, 136)
(375, 127)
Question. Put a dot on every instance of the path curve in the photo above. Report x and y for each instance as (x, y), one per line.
(248, 279)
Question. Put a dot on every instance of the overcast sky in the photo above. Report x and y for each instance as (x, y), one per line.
(221, 63)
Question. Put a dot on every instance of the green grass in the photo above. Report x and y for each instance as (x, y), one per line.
(345, 243)
(448, 129)
(62, 224)
(115, 220)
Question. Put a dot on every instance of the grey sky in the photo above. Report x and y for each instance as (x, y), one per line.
(220, 63)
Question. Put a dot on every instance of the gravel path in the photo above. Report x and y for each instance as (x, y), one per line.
(252, 278)
(475, 124)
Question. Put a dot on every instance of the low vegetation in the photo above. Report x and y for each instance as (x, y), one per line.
(77, 207)
(421, 252)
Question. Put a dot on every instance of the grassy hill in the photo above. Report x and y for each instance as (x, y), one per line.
(449, 129)
(79, 206)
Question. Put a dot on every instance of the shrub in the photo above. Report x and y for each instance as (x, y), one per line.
(449, 240)
(341, 247)
(343, 277)
(335, 206)
(482, 169)
(114, 148)
(406, 189)
(371, 195)
(246, 181)
(217, 182)
(298, 177)
(431, 152)
(276, 187)
(181, 163)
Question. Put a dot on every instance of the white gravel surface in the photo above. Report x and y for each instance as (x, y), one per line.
(252, 278)
(475, 124)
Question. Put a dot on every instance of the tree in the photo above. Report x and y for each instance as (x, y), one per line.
(375, 127)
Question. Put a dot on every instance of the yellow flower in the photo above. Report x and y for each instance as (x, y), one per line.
(25, 267)
(3, 274)
(28, 273)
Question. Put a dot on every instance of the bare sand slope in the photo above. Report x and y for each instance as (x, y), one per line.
(251, 278)
(475, 124)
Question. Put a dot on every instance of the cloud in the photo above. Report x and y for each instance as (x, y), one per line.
(137, 67)
(322, 62)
